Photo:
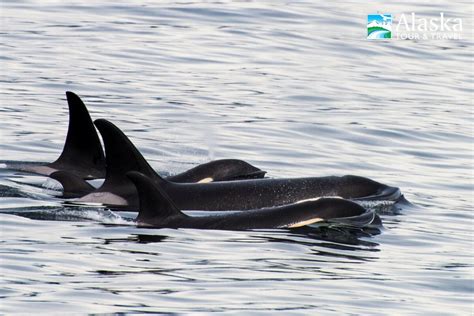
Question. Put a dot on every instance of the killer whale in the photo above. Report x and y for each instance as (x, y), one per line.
(122, 156)
(82, 157)
(157, 209)
(213, 171)
(219, 170)
(82, 154)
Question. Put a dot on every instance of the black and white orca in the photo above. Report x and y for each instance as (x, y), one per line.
(157, 209)
(83, 158)
(213, 171)
(117, 191)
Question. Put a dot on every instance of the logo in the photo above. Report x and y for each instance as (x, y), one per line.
(413, 26)
(379, 26)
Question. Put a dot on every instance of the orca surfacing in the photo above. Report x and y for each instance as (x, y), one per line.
(157, 209)
(82, 153)
(122, 157)
(82, 158)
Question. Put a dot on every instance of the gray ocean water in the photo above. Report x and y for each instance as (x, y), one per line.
(295, 88)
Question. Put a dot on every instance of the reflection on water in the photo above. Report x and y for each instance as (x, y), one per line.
(294, 88)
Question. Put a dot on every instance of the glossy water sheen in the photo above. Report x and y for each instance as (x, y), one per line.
(295, 89)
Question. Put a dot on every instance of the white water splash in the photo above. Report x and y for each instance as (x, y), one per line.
(52, 184)
(103, 216)
(106, 217)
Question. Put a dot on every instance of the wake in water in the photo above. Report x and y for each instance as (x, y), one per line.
(36, 188)
(131, 184)
(75, 214)
(34, 206)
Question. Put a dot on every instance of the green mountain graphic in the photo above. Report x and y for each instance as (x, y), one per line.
(387, 34)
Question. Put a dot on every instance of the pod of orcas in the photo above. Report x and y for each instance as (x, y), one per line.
(83, 157)
(157, 209)
(130, 183)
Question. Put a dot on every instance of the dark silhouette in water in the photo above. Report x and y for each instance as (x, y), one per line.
(83, 158)
(122, 157)
(82, 153)
(158, 210)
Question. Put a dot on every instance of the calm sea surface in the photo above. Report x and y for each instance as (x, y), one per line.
(293, 87)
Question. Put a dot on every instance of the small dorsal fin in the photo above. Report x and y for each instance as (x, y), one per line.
(155, 204)
(121, 156)
(82, 154)
(73, 186)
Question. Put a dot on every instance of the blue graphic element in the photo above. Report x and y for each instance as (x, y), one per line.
(379, 26)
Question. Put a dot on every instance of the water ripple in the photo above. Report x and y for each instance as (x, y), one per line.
(294, 88)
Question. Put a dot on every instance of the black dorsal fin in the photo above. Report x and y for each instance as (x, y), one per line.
(73, 185)
(82, 154)
(156, 207)
(121, 156)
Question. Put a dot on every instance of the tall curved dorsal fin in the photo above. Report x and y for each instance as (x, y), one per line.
(122, 157)
(82, 154)
(156, 207)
